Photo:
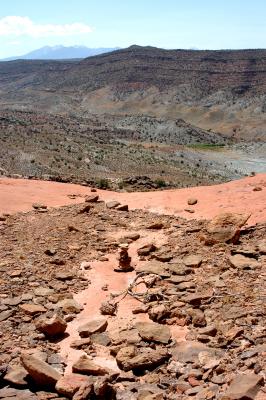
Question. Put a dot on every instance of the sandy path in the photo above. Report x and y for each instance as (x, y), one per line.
(102, 273)
(238, 196)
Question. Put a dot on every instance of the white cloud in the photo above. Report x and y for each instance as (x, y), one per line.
(14, 43)
(18, 26)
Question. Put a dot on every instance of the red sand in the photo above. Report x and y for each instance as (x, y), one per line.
(237, 196)
(102, 273)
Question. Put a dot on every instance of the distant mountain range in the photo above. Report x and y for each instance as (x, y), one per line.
(61, 53)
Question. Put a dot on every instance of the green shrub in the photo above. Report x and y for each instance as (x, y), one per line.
(121, 184)
(103, 183)
(160, 183)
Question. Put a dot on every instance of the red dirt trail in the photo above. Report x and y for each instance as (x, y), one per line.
(102, 273)
(236, 196)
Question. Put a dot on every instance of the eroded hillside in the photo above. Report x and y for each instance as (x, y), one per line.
(219, 90)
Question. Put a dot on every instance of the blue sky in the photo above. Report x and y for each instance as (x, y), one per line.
(206, 24)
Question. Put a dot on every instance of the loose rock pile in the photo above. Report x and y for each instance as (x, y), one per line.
(208, 277)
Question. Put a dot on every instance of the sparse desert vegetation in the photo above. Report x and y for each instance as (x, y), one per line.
(95, 150)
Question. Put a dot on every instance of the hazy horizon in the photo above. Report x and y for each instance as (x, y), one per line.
(170, 24)
(58, 47)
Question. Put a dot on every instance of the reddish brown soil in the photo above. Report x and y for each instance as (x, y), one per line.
(25, 239)
(236, 196)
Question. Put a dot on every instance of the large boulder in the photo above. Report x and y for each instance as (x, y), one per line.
(224, 228)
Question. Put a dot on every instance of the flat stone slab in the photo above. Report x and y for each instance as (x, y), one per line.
(153, 332)
(94, 326)
(189, 351)
(244, 386)
(243, 262)
(40, 371)
(128, 358)
(10, 393)
(32, 309)
(112, 204)
(192, 260)
(153, 267)
(86, 366)
(69, 384)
